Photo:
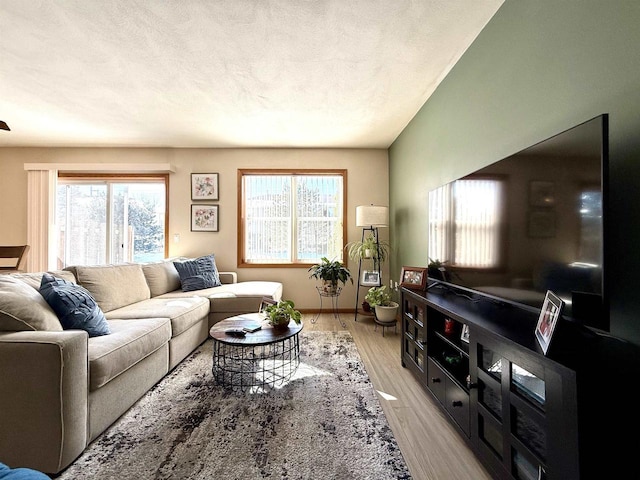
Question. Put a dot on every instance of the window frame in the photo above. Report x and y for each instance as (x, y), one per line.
(241, 262)
(126, 178)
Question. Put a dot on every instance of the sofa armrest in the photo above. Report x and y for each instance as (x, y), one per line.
(228, 277)
(44, 400)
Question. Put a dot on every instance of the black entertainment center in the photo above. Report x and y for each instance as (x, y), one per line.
(567, 415)
(506, 234)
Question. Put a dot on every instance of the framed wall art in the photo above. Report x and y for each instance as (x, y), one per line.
(542, 224)
(542, 194)
(204, 186)
(204, 218)
(414, 278)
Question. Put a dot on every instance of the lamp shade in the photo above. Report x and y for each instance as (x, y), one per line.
(372, 216)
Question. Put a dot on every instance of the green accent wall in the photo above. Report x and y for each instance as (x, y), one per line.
(537, 68)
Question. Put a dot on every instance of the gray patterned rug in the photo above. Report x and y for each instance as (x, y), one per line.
(326, 423)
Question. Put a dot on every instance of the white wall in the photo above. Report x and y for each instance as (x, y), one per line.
(367, 183)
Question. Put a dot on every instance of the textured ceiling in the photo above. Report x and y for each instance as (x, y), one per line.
(225, 73)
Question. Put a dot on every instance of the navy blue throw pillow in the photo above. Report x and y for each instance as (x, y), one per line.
(198, 274)
(75, 307)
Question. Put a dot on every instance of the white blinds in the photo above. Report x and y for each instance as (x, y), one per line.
(41, 190)
(464, 223)
(292, 218)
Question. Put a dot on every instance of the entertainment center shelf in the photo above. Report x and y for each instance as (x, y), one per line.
(525, 415)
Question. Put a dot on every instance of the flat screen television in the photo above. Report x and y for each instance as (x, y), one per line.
(531, 222)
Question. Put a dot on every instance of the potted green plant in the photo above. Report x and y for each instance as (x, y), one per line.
(330, 272)
(368, 248)
(280, 314)
(380, 299)
(437, 269)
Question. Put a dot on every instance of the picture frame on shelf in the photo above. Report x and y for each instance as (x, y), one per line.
(370, 278)
(414, 278)
(264, 303)
(204, 186)
(548, 320)
(464, 336)
(204, 218)
(542, 193)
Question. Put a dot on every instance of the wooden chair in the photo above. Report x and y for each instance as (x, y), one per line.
(12, 257)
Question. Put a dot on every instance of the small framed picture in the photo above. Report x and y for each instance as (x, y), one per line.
(549, 316)
(204, 186)
(370, 279)
(541, 194)
(414, 278)
(464, 336)
(204, 218)
(265, 302)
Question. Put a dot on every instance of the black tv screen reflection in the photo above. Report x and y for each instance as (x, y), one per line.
(529, 223)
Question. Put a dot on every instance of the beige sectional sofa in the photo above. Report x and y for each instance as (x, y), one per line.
(59, 389)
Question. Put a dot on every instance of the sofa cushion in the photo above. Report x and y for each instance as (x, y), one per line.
(239, 297)
(114, 286)
(130, 341)
(183, 312)
(74, 306)
(35, 279)
(23, 308)
(198, 274)
(162, 277)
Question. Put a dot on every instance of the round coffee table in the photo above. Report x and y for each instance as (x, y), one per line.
(262, 359)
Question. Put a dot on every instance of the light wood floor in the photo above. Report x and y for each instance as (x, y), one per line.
(431, 447)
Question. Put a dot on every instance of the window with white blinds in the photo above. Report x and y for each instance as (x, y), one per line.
(290, 217)
(103, 219)
(465, 219)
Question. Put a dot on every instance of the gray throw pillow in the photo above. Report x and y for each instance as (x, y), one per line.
(198, 274)
(75, 307)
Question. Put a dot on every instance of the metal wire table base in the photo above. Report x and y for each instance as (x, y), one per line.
(257, 367)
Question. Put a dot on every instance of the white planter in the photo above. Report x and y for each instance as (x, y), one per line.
(387, 314)
(329, 288)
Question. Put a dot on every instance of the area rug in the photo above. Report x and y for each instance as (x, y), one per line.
(325, 423)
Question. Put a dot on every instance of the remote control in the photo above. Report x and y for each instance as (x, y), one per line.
(235, 332)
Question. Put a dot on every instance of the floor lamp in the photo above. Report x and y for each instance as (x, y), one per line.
(370, 218)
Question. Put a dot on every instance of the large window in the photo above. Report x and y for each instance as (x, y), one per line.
(465, 219)
(103, 220)
(290, 217)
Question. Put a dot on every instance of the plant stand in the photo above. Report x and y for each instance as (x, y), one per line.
(385, 324)
(376, 267)
(333, 299)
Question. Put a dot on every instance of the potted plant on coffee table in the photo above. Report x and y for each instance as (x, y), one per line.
(385, 308)
(331, 272)
(280, 314)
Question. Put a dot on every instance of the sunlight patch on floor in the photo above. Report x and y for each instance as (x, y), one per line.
(386, 396)
(274, 367)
